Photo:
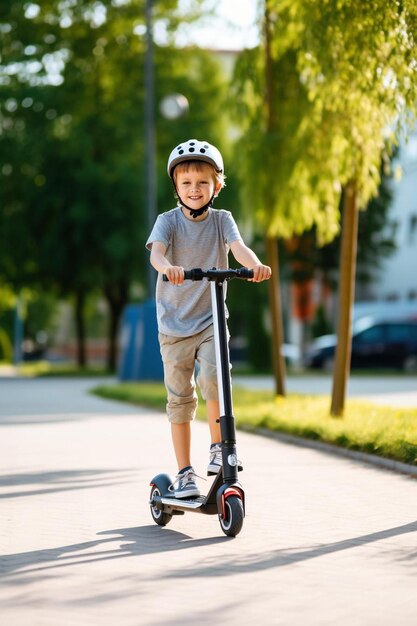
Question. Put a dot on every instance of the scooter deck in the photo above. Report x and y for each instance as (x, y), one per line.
(189, 503)
(201, 504)
(178, 506)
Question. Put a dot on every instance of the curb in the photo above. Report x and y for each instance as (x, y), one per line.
(363, 457)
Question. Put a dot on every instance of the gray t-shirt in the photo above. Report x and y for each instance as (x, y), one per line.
(185, 310)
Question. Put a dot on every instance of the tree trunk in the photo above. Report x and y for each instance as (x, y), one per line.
(271, 242)
(346, 299)
(276, 316)
(112, 338)
(80, 328)
(117, 298)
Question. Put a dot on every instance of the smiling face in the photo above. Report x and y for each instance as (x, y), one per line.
(196, 183)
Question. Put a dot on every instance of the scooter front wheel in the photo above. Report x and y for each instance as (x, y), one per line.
(232, 522)
(158, 516)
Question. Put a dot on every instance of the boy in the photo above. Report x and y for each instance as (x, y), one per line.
(194, 234)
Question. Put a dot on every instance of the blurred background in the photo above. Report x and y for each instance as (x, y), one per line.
(306, 103)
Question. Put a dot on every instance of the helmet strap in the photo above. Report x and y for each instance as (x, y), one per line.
(197, 212)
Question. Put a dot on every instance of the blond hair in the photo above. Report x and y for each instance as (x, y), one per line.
(198, 166)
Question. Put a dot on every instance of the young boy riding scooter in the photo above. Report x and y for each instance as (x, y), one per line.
(193, 234)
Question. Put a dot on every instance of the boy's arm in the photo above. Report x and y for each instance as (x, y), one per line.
(246, 257)
(158, 260)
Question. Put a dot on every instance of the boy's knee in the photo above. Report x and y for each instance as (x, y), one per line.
(181, 410)
(180, 417)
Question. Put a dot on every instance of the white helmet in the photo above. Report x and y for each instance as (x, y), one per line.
(194, 150)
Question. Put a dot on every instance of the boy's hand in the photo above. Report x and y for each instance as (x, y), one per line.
(175, 274)
(260, 273)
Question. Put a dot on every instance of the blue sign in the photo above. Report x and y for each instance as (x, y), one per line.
(140, 357)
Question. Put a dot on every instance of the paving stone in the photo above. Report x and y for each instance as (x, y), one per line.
(326, 540)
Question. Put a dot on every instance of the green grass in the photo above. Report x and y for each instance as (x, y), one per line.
(366, 427)
(152, 395)
(46, 368)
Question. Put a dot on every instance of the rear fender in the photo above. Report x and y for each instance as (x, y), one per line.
(163, 482)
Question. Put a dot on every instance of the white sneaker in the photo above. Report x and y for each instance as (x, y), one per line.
(187, 486)
(215, 461)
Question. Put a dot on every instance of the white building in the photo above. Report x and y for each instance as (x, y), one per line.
(397, 278)
(394, 289)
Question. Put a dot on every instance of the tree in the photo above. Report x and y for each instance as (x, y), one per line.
(72, 188)
(73, 123)
(350, 78)
(271, 102)
(358, 61)
(309, 260)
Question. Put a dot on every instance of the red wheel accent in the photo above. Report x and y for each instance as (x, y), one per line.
(232, 491)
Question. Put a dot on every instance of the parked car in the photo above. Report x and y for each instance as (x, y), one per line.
(239, 350)
(375, 344)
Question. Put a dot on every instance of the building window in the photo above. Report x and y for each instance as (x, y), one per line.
(392, 229)
(392, 296)
(412, 231)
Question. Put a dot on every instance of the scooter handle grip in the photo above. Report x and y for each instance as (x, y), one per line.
(194, 274)
(245, 272)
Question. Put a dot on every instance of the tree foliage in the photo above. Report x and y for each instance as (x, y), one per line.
(375, 243)
(73, 216)
(344, 81)
(340, 85)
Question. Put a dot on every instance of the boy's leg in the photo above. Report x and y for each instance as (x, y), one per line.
(207, 380)
(213, 414)
(181, 438)
(184, 485)
(178, 356)
(215, 457)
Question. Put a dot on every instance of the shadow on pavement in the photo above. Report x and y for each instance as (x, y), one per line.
(21, 568)
(279, 558)
(59, 481)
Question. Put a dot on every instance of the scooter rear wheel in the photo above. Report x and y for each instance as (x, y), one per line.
(158, 516)
(232, 523)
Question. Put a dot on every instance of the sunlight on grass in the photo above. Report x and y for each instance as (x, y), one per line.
(46, 368)
(389, 432)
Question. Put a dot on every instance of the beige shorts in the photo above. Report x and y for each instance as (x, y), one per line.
(179, 355)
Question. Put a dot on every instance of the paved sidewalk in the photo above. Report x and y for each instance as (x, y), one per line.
(326, 540)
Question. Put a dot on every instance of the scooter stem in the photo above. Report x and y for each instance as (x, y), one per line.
(227, 420)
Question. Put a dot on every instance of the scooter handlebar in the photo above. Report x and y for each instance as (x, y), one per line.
(214, 274)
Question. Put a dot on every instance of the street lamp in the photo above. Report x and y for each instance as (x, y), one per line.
(150, 133)
(140, 355)
(172, 107)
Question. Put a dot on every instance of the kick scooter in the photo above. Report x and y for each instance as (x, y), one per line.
(226, 497)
